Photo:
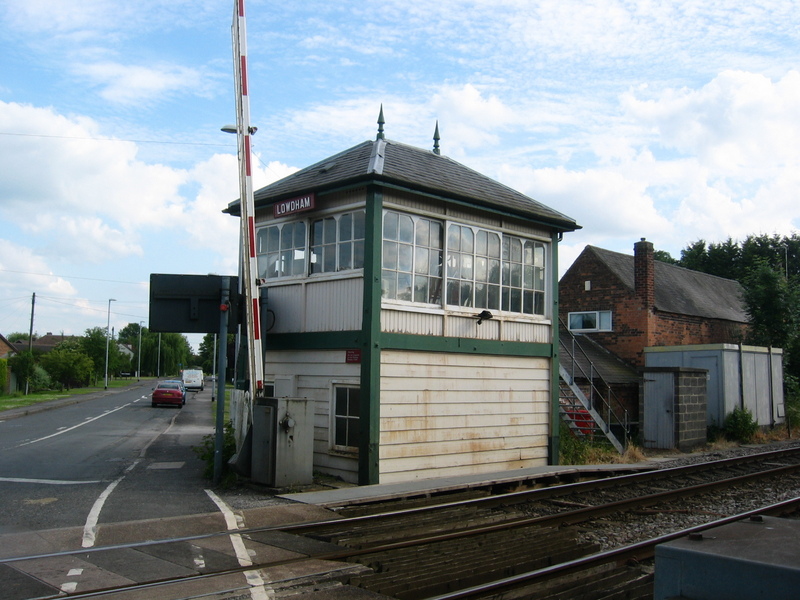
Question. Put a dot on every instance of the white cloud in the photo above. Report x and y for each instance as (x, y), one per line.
(57, 170)
(22, 270)
(739, 124)
(136, 84)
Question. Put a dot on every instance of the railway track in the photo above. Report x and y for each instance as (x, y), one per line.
(555, 542)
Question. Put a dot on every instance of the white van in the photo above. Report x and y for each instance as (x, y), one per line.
(193, 379)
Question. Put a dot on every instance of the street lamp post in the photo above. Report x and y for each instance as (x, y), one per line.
(139, 368)
(108, 340)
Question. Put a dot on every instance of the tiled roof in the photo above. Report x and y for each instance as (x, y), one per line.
(388, 162)
(682, 291)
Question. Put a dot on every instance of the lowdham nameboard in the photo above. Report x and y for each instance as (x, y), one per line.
(191, 303)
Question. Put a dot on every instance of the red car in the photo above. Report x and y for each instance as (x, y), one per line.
(168, 392)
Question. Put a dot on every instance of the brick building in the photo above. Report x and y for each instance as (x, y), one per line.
(627, 303)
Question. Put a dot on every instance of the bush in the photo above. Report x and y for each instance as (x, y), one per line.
(40, 380)
(791, 399)
(206, 452)
(572, 450)
(740, 425)
(3, 376)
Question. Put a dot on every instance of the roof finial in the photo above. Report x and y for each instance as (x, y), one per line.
(436, 139)
(381, 122)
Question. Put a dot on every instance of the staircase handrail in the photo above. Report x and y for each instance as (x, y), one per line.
(615, 411)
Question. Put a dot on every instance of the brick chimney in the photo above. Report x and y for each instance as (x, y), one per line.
(644, 273)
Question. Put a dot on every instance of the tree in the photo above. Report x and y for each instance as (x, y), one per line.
(93, 344)
(206, 354)
(773, 307)
(695, 256)
(665, 257)
(23, 365)
(129, 334)
(68, 364)
(18, 336)
(768, 267)
(165, 353)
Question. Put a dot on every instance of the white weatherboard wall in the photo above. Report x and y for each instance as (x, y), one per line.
(458, 414)
(313, 374)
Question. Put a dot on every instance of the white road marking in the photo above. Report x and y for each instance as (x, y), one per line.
(75, 572)
(258, 587)
(69, 587)
(47, 437)
(90, 528)
(47, 481)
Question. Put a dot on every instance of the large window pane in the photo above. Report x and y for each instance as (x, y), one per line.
(412, 250)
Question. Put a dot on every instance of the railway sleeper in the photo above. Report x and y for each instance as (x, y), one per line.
(417, 584)
(395, 523)
(605, 582)
(463, 569)
(403, 524)
(505, 542)
(406, 532)
(360, 510)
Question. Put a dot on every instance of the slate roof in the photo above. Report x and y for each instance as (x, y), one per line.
(682, 291)
(393, 163)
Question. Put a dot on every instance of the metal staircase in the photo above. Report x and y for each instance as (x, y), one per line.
(581, 405)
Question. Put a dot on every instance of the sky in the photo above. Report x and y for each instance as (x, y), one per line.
(669, 120)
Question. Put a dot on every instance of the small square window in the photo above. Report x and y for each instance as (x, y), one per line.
(588, 321)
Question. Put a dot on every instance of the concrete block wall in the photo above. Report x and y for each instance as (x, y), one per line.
(690, 408)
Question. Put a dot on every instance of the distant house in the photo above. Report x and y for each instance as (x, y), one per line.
(7, 350)
(45, 343)
(627, 303)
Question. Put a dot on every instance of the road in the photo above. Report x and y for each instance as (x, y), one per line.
(108, 459)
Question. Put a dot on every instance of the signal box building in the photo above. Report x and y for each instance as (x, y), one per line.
(414, 301)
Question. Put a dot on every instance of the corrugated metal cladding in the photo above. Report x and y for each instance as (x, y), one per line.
(455, 414)
(334, 305)
(466, 326)
(315, 373)
(417, 323)
(324, 305)
(288, 306)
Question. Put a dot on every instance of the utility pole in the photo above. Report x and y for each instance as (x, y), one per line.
(30, 342)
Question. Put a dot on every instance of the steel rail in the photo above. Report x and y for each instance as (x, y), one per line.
(563, 518)
(522, 496)
(639, 551)
(500, 499)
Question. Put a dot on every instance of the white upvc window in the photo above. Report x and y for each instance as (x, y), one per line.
(337, 243)
(484, 268)
(411, 259)
(487, 269)
(590, 320)
(346, 409)
(281, 250)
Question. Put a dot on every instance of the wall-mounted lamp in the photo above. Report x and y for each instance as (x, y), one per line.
(484, 315)
(235, 129)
